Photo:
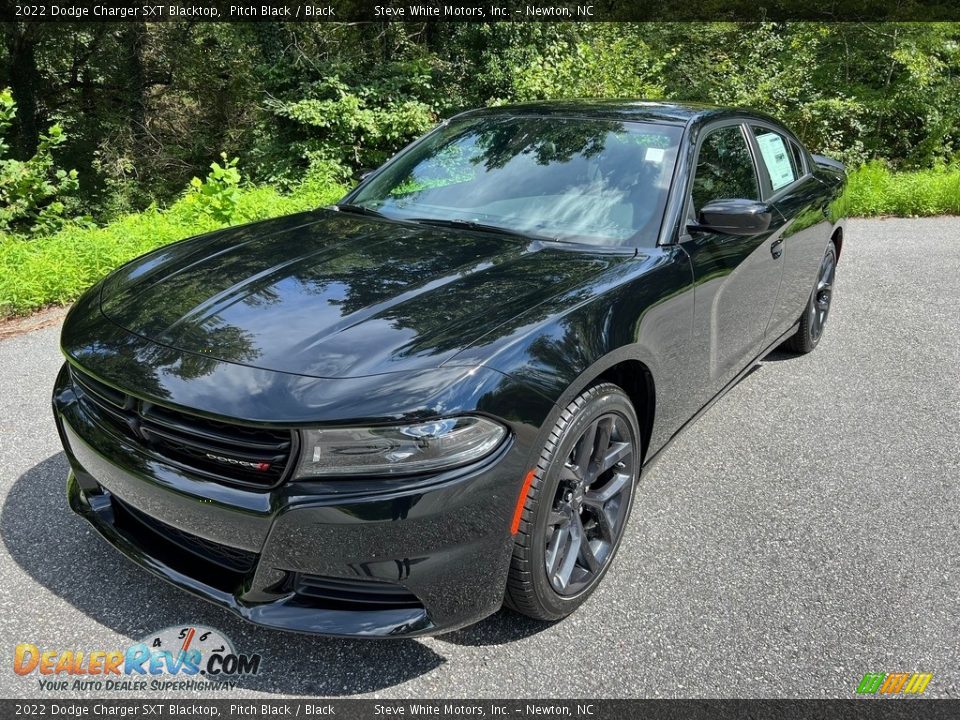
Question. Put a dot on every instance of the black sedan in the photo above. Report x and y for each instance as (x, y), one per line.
(391, 416)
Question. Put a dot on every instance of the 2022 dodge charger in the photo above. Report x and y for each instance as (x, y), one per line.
(388, 417)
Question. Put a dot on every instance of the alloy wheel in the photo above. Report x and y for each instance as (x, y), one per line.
(820, 307)
(590, 505)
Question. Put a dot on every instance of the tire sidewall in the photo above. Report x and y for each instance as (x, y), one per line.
(612, 401)
(812, 341)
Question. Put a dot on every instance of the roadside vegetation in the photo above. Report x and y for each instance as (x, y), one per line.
(874, 190)
(115, 139)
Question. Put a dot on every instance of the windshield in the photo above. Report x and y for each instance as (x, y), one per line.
(600, 182)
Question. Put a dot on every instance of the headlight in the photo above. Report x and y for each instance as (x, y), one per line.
(405, 449)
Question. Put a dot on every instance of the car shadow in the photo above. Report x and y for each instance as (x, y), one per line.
(501, 628)
(779, 355)
(63, 553)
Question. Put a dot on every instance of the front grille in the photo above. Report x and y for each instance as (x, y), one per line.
(216, 450)
(353, 594)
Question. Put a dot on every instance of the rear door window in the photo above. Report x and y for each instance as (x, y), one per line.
(778, 157)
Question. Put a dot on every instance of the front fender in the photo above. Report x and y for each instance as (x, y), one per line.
(639, 311)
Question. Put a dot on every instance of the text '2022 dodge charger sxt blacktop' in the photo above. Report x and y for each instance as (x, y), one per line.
(391, 416)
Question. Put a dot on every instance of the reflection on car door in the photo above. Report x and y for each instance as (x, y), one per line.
(737, 277)
(803, 201)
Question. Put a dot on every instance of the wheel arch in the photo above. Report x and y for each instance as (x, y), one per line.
(837, 238)
(622, 367)
(636, 380)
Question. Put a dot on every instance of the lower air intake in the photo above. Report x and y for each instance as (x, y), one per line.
(353, 594)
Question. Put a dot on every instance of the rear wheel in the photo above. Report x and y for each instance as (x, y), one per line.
(578, 504)
(815, 315)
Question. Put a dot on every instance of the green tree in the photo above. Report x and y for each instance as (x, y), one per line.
(34, 193)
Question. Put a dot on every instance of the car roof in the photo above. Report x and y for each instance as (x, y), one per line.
(672, 113)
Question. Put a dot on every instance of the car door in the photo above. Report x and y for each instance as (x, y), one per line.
(803, 202)
(736, 277)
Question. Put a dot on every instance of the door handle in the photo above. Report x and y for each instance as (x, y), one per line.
(776, 248)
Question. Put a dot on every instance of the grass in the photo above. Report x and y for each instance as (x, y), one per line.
(56, 269)
(874, 190)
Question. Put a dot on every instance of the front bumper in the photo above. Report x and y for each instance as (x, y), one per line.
(394, 563)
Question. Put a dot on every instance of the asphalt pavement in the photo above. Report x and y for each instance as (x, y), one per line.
(804, 531)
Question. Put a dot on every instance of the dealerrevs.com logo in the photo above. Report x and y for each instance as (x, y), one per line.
(177, 658)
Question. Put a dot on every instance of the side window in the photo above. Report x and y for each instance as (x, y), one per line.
(779, 157)
(724, 169)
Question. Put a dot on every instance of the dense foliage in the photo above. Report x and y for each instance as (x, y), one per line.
(34, 193)
(146, 107)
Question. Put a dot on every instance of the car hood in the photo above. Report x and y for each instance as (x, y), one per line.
(327, 294)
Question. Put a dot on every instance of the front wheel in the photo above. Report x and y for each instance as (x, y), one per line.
(814, 316)
(577, 505)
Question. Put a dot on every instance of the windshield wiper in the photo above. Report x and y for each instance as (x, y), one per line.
(358, 210)
(471, 225)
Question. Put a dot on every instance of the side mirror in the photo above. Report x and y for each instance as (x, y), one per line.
(734, 217)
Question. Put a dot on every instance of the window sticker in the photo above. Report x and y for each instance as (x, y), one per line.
(777, 159)
(654, 155)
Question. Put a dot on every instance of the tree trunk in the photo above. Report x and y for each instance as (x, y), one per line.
(24, 80)
(134, 39)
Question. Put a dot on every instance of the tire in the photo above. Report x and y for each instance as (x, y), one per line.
(815, 314)
(565, 502)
